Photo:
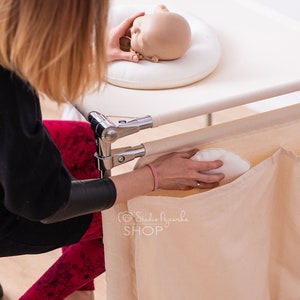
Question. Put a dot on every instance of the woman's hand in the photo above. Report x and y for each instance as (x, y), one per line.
(178, 171)
(114, 51)
(175, 171)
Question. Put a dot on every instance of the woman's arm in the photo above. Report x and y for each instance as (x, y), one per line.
(86, 196)
(171, 171)
(174, 171)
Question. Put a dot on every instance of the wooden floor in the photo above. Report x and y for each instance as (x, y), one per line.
(18, 273)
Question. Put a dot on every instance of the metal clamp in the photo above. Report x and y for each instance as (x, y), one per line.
(107, 132)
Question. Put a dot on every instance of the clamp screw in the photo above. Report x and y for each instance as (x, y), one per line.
(121, 159)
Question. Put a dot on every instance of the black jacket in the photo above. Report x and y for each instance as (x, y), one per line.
(35, 186)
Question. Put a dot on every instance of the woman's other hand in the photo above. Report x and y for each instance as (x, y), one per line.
(114, 51)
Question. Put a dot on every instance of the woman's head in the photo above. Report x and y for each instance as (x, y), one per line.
(162, 35)
(59, 46)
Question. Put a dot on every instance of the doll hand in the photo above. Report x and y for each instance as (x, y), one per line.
(178, 171)
(114, 51)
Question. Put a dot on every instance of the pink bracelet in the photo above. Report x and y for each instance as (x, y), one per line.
(155, 177)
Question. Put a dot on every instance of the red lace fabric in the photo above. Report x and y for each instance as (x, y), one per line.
(79, 263)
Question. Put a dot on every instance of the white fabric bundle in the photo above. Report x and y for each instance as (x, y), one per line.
(233, 165)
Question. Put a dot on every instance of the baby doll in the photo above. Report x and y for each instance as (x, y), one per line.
(163, 35)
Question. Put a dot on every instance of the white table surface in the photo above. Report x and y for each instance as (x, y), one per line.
(260, 59)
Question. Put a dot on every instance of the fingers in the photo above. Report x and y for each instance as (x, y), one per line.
(127, 23)
(205, 180)
(197, 184)
(205, 185)
(209, 165)
(210, 178)
(190, 153)
(129, 56)
(114, 51)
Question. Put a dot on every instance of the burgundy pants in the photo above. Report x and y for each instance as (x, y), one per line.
(79, 263)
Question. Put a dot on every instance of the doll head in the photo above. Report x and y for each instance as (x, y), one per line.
(162, 35)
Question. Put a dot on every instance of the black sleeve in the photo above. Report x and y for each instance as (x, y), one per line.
(85, 198)
(33, 178)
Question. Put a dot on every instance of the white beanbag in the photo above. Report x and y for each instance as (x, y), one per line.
(233, 164)
(199, 61)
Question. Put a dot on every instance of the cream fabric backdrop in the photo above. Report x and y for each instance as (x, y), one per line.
(239, 241)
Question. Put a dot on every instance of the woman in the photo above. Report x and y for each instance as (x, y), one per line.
(60, 48)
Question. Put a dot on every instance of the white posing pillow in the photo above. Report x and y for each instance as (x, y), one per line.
(233, 165)
(199, 61)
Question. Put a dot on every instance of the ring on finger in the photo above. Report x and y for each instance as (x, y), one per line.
(199, 184)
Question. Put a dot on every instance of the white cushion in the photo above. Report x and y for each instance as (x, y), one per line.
(233, 165)
(199, 61)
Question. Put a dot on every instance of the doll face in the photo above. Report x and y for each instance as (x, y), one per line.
(163, 35)
(142, 34)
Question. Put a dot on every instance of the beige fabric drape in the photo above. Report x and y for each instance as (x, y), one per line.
(239, 241)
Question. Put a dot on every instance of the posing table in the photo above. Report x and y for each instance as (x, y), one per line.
(242, 239)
